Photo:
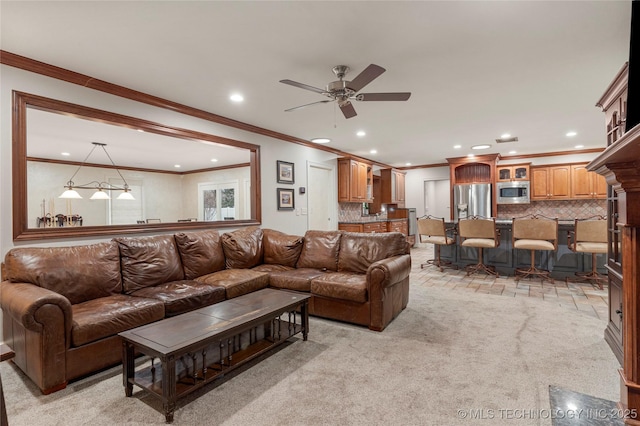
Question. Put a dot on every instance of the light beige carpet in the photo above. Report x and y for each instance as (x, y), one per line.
(448, 351)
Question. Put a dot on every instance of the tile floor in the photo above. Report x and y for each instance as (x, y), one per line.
(581, 296)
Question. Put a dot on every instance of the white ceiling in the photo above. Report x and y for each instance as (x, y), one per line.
(476, 69)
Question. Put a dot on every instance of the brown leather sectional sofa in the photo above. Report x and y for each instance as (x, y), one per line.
(63, 307)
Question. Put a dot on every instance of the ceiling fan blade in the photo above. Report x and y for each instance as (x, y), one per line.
(303, 86)
(348, 110)
(306, 105)
(398, 96)
(369, 74)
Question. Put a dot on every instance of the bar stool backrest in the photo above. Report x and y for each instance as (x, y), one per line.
(477, 227)
(591, 230)
(431, 226)
(536, 228)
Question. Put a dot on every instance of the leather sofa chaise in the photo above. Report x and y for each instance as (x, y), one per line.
(63, 307)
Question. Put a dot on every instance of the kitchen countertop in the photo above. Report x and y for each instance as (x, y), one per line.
(370, 220)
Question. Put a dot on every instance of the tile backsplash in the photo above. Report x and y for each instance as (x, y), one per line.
(352, 212)
(566, 209)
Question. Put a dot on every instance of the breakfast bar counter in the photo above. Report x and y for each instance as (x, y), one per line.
(562, 263)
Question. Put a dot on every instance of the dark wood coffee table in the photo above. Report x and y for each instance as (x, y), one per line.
(198, 347)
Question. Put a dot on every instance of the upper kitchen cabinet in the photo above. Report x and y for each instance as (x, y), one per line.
(392, 187)
(586, 184)
(355, 181)
(551, 182)
(512, 172)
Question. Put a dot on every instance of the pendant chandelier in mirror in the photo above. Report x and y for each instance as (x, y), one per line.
(100, 188)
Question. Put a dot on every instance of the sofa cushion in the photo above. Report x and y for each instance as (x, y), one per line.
(78, 273)
(295, 279)
(359, 250)
(107, 316)
(149, 261)
(341, 285)
(243, 248)
(182, 296)
(201, 252)
(281, 248)
(320, 250)
(237, 281)
(271, 268)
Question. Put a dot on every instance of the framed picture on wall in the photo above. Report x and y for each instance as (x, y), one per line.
(285, 199)
(285, 172)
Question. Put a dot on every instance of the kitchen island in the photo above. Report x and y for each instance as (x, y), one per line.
(562, 263)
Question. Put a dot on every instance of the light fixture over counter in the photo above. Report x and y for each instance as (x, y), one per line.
(99, 187)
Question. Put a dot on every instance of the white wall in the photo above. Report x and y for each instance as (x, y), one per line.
(271, 149)
(414, 186)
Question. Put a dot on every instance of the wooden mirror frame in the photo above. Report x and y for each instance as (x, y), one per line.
(21, 231)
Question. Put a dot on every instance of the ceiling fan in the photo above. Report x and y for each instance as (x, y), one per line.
(344, 91)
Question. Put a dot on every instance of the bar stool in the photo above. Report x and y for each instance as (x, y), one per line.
(432, 230)
(589, 236)
(481, 233)
(535, 233)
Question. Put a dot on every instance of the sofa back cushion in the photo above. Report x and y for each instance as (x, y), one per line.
(359, 250)
(148, 261)
(79, 273)
(281, 248)
(201, 252)
(243, 248)
(320, 250)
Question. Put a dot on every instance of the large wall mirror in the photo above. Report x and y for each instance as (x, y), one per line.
(145, 176)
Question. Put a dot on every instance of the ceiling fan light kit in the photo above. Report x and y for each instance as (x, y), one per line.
(344, 91)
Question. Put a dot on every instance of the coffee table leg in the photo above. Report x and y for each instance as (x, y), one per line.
(128, 367)
(304, 311)
(169, 387)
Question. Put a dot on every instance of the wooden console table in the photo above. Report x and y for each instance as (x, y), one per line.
(198, 347)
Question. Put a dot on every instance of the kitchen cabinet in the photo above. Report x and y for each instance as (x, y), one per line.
(586, 184)
(512, 172)
(368, 227)
(398, 226)
(355, 181)
(392, 187)
(551, 182)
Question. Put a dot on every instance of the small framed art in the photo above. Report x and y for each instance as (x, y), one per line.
(285, 172)
(285, 199)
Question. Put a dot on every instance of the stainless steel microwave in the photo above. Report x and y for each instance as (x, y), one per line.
(514, 192)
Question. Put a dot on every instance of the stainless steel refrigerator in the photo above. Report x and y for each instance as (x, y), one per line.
(471, 200)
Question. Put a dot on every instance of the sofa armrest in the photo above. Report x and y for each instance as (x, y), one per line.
(388, 272)
(388, 288)
(33, 306)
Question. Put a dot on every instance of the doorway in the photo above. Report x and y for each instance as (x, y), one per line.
(437, 198)
(321, 197)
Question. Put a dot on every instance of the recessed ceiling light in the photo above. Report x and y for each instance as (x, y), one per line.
(320, 140)
(177, 166)
(482, 146)
(373, 151)
(361, 133)
(471, 155)
(512, 152)
(214, 160)
(457, 146)
(571, 134)
(140, 130)
(579, 146)
(236, 97)
(407, 164)
(66, 154)
(505, 136)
